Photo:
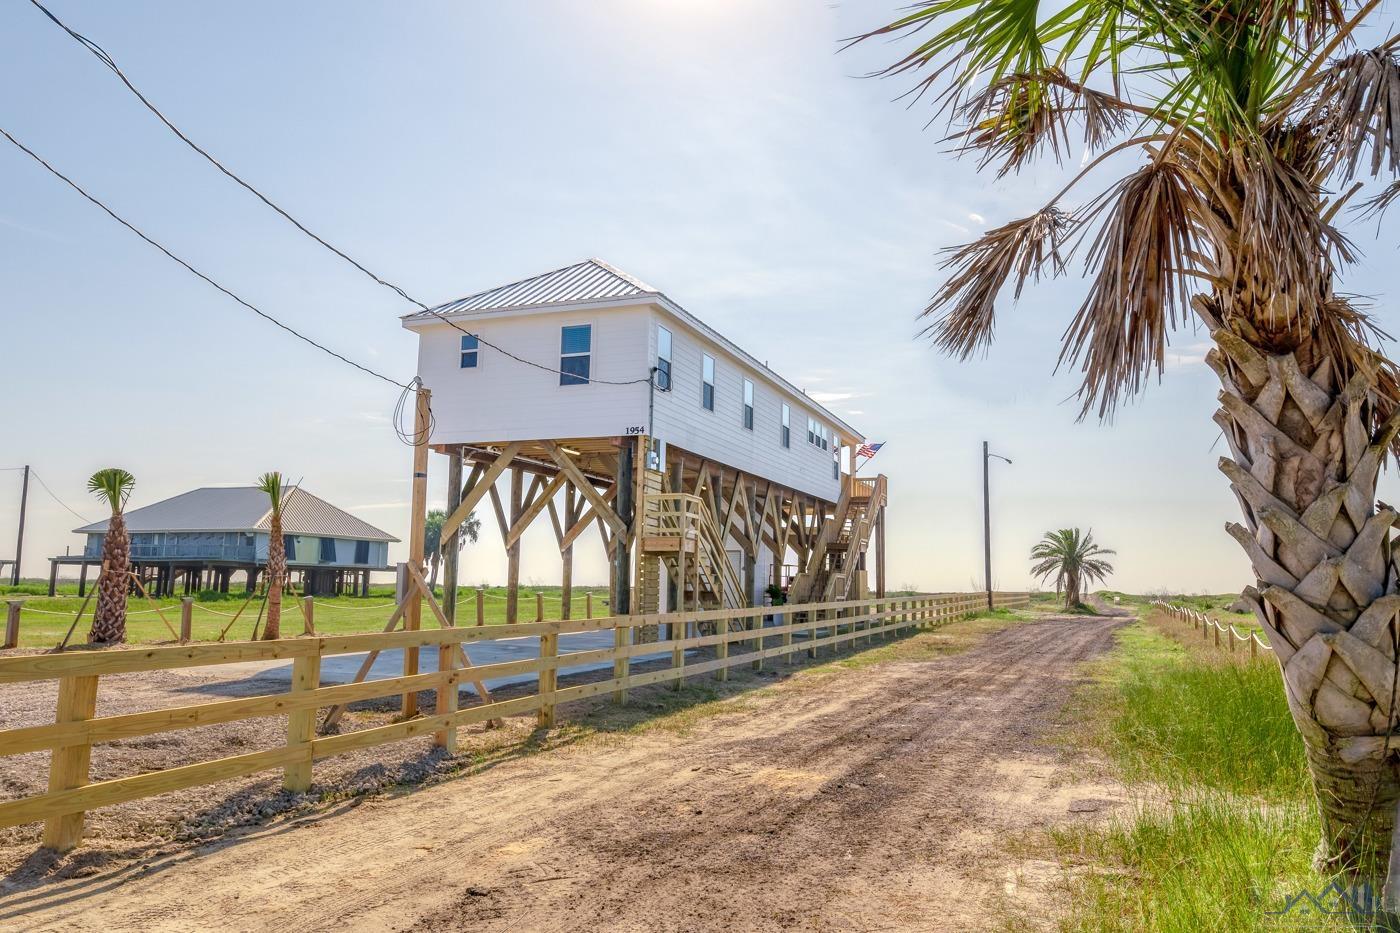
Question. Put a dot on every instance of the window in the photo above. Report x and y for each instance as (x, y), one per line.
(811, 431)
(575, 354)
(825, 436)
(787, 426)
(327, 550)
(707, 381)
(289, 545)
(748, 404)
(817, 435)
(836, 462)
(663, 359)
(469, 351)
(362, 552)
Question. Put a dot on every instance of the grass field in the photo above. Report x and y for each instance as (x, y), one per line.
(44, 619)
(1208, 749)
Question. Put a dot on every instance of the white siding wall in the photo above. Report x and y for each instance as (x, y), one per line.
(503, 400)
(720, 435)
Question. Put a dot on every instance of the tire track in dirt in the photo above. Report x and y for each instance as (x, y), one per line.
(861, 803)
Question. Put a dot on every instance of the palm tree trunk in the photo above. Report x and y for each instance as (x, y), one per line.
(109, 621)
(276, 578)
(1304, 469)
(1072, 596)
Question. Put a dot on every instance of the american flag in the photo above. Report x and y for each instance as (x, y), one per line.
(869, 450)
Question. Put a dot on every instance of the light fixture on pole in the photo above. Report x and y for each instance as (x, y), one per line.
(987, 516)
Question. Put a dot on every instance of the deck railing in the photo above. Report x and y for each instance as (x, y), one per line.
(76, 729)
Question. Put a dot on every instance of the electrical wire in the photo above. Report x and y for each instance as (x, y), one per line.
(247, 304)
(103, 56)
(34, 473)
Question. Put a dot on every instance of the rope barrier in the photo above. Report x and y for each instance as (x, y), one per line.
(1197, 617)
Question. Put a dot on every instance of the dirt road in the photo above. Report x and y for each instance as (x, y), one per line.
(872, 799)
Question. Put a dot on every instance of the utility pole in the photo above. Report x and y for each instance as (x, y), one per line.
(19, 545)
(987, 517)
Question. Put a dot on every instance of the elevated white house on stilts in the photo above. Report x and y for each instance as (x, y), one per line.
(595, 398)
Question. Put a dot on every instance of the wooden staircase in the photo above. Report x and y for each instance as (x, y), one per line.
(679, 533)
(833, 571)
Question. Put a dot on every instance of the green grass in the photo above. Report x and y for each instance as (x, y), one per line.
(1224, 823)
(44, 619)
(1179, 723)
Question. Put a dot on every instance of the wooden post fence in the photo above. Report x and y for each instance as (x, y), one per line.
(76, 727)
(186, 619)
(12, 610)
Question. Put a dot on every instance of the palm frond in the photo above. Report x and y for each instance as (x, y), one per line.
(1017, 251)
(1356, 106)
(271, 483)
(1140, 288)
(1013, 119)
(112, 485)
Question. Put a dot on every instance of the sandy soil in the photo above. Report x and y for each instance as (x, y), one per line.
(878, 798)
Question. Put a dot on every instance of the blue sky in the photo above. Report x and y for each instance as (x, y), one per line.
(721, 150)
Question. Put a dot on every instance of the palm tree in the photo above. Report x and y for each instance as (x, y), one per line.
(1073, 559)
(113, 485)
(1240, 115)
(271, 483)
(432, 540)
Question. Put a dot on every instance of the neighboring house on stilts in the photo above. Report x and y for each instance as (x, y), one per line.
(199, 540)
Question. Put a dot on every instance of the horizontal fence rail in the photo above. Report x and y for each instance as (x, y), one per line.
(786, 630)
(1209, 627)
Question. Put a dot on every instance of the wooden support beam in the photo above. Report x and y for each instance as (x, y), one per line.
(535, 507)
(517, 489)
(578, 527)
(486, 481)
(418, 512)
(600, 505)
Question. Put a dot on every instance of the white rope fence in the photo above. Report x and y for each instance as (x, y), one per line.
(1213, 628)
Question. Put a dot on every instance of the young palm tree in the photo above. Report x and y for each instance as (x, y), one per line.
(432, 540)
(271, 483)
(1073, 560)
(1240, 114)
(113, 485)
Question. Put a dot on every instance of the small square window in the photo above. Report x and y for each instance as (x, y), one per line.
(469, 351)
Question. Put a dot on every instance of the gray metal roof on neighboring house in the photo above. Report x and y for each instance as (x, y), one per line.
(245, 508)
(590, 280)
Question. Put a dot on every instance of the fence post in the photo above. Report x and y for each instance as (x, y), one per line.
(622, 664)
(12, 609)
(549, 677)
(68, 767)
(539, 607)
(186, 619)
(1253, 646)
(447, 697)
(301, 724)
(758, 641)
(308, 611)
(677, 629)
(1217, 635)
(1231, 633)
(480, 605)
(722, 649)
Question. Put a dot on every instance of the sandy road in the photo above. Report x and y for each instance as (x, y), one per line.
(873, 801)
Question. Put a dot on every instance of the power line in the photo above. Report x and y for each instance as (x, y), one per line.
(103, 56)
(55, 498)
(247, 304)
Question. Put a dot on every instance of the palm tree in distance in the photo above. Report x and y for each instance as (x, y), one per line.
(1252, 124)
(1073, 560)
(113, 485)
(271, 483)
(432, 540)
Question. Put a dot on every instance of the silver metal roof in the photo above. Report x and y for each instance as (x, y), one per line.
(246, 509)
(594, 280)
(590, 280)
